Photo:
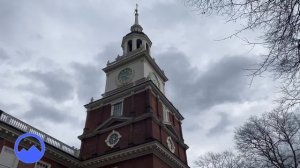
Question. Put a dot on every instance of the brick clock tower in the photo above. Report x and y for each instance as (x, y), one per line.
(133, 125)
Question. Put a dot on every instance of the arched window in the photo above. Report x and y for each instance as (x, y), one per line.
(147, 47)
(129, 46)
(138, 43)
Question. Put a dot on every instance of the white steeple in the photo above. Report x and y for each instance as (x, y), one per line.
(135, 65)
(136, 39)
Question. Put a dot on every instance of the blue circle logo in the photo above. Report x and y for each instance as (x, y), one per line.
(33, 154)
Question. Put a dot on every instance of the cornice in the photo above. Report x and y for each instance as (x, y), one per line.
(153, 147)
(127, 91)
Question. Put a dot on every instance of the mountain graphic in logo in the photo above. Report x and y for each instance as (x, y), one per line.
(30, 155)
(33, 154)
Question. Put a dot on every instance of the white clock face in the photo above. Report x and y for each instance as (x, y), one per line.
(154, 79)
(125, 75)
(171, 145)
(113, 138)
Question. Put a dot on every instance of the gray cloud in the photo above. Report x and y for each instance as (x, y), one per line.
(9, 107)
(89, 77)
(88, 81)
(221, 127)
(167, 14)
(223, 81)
(3, 55)
(109, 53)
(55, 85)
(42, 111)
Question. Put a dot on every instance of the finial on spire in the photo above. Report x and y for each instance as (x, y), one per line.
(136, 14)
(136, 27)
(136, 8)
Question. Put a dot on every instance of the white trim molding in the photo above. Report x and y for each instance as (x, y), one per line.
(153, 147)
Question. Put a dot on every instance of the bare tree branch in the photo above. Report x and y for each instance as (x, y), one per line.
(279, 20)
(274, 138)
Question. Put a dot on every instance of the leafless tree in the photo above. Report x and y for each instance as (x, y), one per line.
(226, 159)
(279, 21)
(273, 139)
(291, 96)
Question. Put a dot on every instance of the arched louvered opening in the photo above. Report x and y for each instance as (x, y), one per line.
(129, 46)
(138, 43)
(147, 47)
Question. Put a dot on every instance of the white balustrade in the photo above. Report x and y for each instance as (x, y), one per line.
(16, 123)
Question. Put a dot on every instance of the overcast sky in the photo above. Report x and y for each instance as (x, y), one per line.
(52, 53)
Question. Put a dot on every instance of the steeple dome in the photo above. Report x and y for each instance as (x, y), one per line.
(136, 39)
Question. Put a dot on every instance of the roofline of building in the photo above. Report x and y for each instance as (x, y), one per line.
(24, 128)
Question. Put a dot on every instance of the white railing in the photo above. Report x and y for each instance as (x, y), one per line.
(16, 123)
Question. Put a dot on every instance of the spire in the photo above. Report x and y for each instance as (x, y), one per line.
(136, 22)
(136, 27)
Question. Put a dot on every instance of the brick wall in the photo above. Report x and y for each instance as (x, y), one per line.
(132, 134)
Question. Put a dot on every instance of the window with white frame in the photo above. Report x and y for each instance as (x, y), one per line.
(166, 114)
(8, 158)
(117, 109)
(42, 164)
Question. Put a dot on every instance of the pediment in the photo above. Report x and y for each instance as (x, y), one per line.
(112, 121)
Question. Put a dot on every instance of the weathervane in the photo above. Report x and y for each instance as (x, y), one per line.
(136, 8)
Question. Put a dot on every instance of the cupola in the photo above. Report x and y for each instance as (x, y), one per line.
(136, 39)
